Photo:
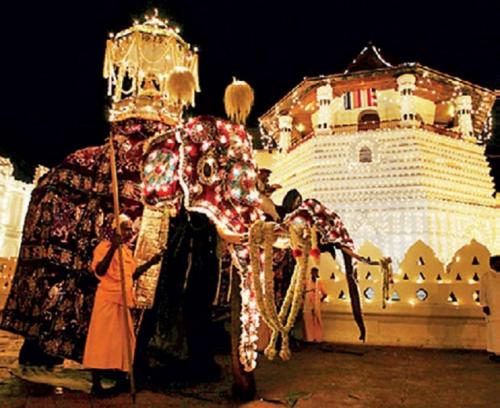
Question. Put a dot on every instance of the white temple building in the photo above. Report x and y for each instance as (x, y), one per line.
(396, 151)
(14, 199)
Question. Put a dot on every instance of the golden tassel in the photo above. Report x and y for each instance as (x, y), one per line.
(238, 101)
(181, 86)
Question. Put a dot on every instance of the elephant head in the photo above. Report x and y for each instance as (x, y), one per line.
(207, 165)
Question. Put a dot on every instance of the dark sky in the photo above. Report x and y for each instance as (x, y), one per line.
(52, 54)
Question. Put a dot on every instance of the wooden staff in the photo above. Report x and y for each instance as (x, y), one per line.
(116, 206)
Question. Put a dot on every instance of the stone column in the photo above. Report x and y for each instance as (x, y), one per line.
(406, 88)
(324, 96)
(463, 105)
(285, 126)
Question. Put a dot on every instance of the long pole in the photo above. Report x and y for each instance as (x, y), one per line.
(116, 206)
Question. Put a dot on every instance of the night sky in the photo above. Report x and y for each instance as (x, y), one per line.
(54, 98)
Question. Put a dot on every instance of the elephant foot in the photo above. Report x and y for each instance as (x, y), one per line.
(244, 391)
(32, 354)
(205, 370)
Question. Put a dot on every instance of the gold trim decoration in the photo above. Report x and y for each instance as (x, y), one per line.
(153, 237)
(209, 160)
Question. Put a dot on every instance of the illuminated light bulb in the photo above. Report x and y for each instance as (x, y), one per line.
(253, 196)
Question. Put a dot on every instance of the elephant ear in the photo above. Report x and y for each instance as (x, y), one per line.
(238, 101)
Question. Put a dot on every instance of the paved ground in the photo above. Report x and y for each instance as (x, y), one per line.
(316, 376)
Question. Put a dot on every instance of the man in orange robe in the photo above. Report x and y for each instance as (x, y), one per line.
(314, 294)
(106, 346)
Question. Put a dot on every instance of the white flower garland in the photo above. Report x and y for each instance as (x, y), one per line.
(280, 323)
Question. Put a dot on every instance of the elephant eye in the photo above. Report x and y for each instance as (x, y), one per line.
(207, 169)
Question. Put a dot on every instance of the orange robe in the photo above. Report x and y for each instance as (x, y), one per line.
(106, 346)
(313, 325)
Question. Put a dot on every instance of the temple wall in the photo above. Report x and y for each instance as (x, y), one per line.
(7, 269)
(430, 304)
(14, 199)
(418, 186)
(423, 197)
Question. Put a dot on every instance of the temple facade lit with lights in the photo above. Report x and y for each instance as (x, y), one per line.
(14, 199)
(396, 151)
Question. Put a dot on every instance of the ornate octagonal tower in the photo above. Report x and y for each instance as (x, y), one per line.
(395, 150)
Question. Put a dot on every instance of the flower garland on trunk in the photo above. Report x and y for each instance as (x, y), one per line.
(249, 314)
(262, 234)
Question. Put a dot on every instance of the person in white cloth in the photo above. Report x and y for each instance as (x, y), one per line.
(490, 301)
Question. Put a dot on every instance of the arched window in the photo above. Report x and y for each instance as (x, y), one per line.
(365, 155)
(368, 120)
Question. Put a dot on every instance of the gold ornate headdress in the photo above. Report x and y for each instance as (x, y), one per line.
(151, 71)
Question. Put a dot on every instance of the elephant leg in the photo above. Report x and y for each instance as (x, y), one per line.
(244, 388)
(354, 295)
(32, 354)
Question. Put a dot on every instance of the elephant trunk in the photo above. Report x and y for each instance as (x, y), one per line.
(354, 295)
(244, 388)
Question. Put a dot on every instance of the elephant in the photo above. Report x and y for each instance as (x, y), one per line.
(331, 235)
(203, 172)
(203, 166)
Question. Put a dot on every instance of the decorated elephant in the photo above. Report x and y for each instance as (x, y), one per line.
(203, 166)
(183, 183)
(168, 171)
